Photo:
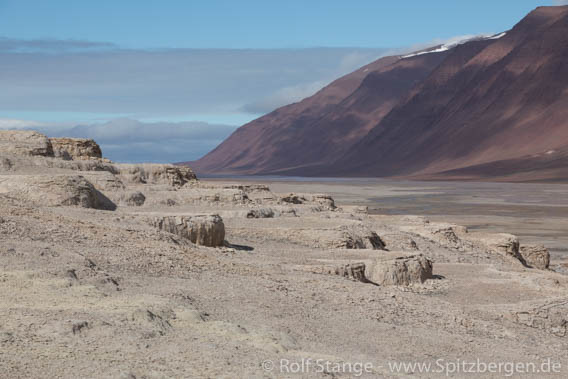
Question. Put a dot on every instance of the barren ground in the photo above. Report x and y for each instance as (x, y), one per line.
(89, 293)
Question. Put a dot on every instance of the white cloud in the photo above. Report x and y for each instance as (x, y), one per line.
(560, 2)
(78, 76)
(7, 123)
(127, 140)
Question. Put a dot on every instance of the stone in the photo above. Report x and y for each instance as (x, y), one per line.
(535, 256)
(24, 143)
(55, 190)
(75, 148)
(206, 230)
(400, 271)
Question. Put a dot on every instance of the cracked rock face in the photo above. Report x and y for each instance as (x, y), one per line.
(206, 230)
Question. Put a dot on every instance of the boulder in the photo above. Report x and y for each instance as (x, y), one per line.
(206, 230)
(75, 148)
(400, 271)
(24, 143)
(54, 190)
(535, 256)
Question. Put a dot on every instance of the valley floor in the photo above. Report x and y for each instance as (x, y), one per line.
(302, 286)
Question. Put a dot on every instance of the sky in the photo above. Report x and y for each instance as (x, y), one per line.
(168, 80)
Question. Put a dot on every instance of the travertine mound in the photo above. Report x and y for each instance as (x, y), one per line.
(75, 148)
(401, 271)
(207, 230)
(536, 256)
(175, 176)
(24, 143)
(54, 190)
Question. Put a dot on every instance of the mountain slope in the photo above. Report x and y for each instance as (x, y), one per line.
(489, 101)
(322, 127)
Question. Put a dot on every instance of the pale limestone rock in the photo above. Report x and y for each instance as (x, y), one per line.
(24, 143)
(401, 271)
(207, 230)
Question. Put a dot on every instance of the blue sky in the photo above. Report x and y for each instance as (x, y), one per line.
(258, 23)
(119, 70)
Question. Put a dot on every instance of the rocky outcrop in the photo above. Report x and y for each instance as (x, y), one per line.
(175, 176)
(75, 148)
(535, 256)
(401, 271)
(206, 230)
(24, 143)
(54, 190)
(322, 200)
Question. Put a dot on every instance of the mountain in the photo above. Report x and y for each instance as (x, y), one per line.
(490, 108)
(489, 101)
(321, 127)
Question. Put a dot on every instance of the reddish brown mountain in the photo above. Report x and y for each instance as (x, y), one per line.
(322, 127)
(502, 100)
(486, 109)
